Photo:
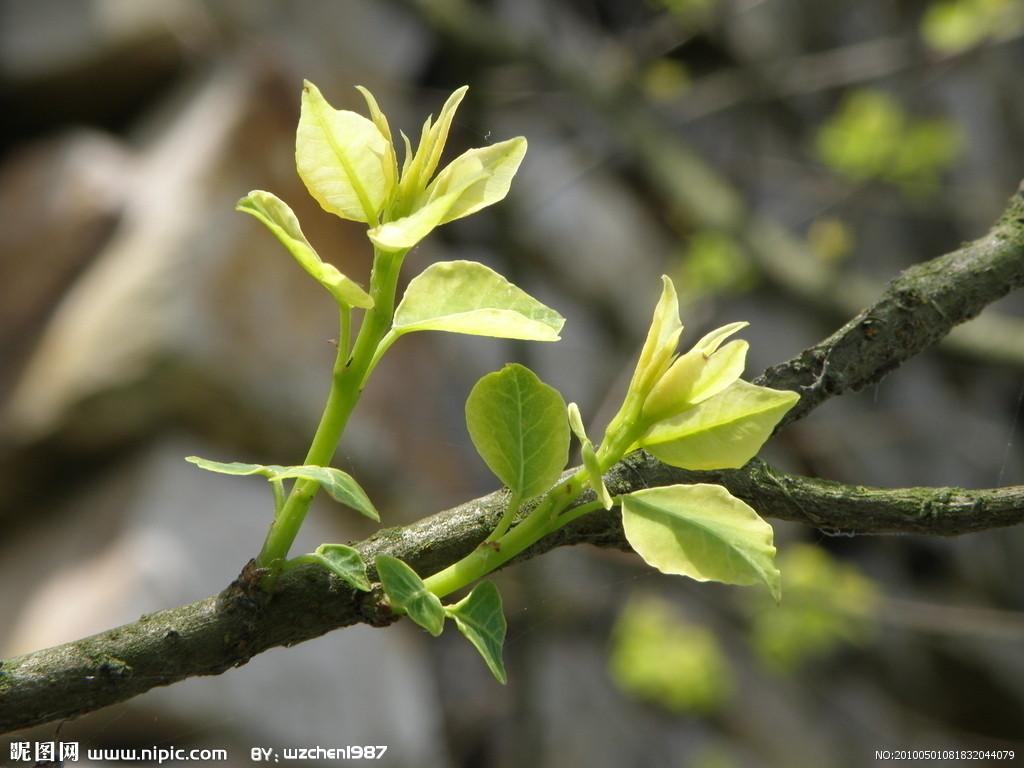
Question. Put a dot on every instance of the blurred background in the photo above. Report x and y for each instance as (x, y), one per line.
(780, 159)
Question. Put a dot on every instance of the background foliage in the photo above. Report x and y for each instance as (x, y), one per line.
(869, 135)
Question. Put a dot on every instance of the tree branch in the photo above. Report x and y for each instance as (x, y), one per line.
(917, 309)
(226, 630)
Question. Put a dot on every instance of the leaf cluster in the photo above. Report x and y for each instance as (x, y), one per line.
(691, 410)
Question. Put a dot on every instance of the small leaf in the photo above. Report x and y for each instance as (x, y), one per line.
(467, 297)
(421, 166)
(282, 222)
(381, 122)
(519, 427)
(344, 562)
(480, 618)
(406, 591)
(474, 180)
(341, 486)
(711, 341)
(594, 477)
(344, 159)
(662, 337)
(722, 369)
(725, 431)
(234, 467)
(694, 378)
(698, 375)
(701, 531)
(576, 422)
(590, 460)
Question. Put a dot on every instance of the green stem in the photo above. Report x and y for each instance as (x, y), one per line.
(492, 554)
(502, 545)
(347, 382)
(506, 519)
(345, 336)
(579, 511)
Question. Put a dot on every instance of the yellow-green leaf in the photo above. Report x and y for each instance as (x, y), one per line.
(282, 222)
(381, 122)
(593, 468)
(662, 337)
(343, 561)
(420, 167)
(590, 461)
(481, 177)
(701, 531)
(233, 467)
(467, 297)
(725, 431)
(402, 234)
(339, 485)
(701, 373)
(473, 181)
(344, 159)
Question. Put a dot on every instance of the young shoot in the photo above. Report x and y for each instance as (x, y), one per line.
(690, 410)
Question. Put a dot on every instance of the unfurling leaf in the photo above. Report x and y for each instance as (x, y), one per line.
(418, 168)
(281, 221)
(402, 234)
(480, 618)
(519, 427)
(467, 297)
(700, 374)
(474, 180)
(701, 531)
(590, 461)
(594, 477)
(725, 431)
(660, 346)
(407, 592)
(482, 177)
(344, 562)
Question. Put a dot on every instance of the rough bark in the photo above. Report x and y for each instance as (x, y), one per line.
(917, 309)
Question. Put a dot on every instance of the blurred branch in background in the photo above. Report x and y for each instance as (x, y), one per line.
(698, 196)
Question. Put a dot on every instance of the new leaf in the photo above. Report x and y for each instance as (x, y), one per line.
(519, 427)
(344, 159)
(340, 485)
(282, 222)
(480, 618)
(407, 592)
(701, 531)
(343, 561)
(467, 297)
(725, 431)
